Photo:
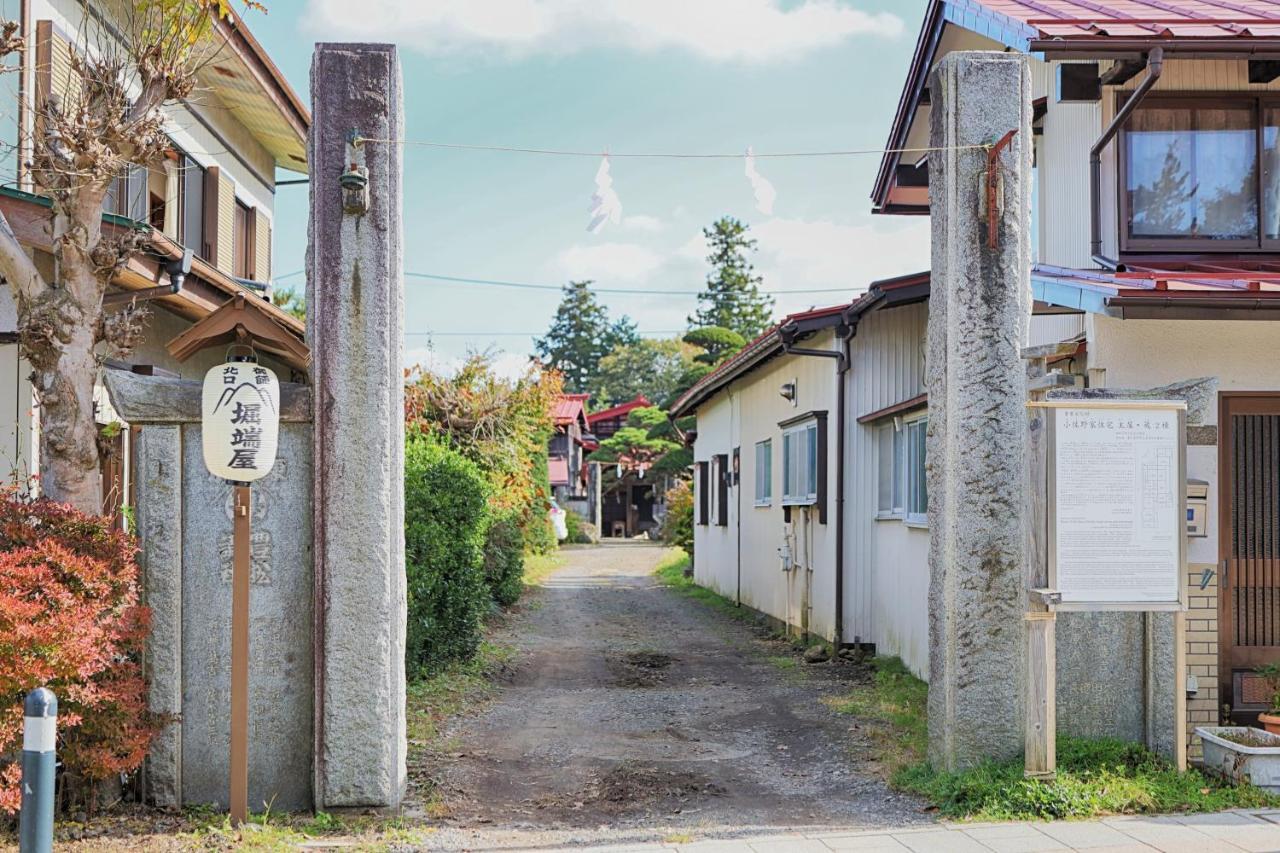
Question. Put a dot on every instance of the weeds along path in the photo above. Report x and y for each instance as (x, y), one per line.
(631, 712)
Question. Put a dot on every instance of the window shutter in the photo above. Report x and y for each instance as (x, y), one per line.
(194, 183)
(262, 246)
(226, 224)
(210, 232)
(137, 193)
(822, 468)
(722, 490)
(702, 493)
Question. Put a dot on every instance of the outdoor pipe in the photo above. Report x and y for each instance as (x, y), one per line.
(1155, 65)
(788, 335)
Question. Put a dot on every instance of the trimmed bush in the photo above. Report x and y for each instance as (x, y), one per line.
(677, 527)
(579, 530)
(445, 520)
(504, 558)
(70, 620)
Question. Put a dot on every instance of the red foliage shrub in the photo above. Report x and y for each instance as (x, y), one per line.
(70, 620)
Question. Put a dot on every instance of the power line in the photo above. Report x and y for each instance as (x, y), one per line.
(638, 291)
(528, 334)
(670, 155)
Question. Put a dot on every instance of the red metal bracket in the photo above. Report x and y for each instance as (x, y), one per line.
(993, 187)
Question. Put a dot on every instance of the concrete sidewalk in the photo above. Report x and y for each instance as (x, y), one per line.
(1233, 831)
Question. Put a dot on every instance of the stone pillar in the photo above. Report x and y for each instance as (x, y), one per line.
(355, 301)
(979, 315)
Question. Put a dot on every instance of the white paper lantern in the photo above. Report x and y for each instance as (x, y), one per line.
(240, 419)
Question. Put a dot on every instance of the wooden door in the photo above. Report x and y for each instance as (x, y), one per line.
(1248, 547)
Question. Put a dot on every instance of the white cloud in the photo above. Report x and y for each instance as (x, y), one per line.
(796, 253)
(641, 222)
(608, 262)
(721, 30)
(508, 365)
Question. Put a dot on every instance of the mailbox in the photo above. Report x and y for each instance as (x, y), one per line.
(1197, 508)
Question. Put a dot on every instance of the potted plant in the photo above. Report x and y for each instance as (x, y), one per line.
(1270, 673)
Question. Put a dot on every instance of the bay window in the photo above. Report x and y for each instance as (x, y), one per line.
(1201, 174)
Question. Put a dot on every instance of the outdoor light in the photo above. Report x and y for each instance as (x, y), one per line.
(788, 391)
(240, 420)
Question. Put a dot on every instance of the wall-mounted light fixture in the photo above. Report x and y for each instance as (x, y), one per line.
(788, 391)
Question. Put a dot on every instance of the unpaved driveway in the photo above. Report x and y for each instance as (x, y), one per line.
(634, 713)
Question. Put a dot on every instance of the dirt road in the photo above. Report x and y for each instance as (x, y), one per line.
(635, 714)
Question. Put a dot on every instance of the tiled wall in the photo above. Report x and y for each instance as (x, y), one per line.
(1202, 653)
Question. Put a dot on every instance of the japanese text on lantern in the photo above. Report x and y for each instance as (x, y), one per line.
(240, 420)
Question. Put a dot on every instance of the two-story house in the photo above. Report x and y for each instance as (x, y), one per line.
(1156, 223)
(214, 197)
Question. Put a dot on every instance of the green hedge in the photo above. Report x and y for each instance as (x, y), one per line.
(445, 523)
(504, 558)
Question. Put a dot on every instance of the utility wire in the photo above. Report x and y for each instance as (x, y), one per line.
(670, 155)
(557, 287)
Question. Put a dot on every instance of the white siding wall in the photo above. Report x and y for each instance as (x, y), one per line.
(1150, 353)
(886, 562)
(746, 412)
(1071, 129)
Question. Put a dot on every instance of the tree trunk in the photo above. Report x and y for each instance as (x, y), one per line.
(69, 470)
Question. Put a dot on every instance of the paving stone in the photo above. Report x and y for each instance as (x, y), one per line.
(798, 844)
(941, 841)
(882, 843)
(1170, 836)
(1085, 835)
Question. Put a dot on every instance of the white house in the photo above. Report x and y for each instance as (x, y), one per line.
(214, 197)
(1166, 267)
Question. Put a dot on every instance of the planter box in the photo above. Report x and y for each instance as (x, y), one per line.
(1258, 765)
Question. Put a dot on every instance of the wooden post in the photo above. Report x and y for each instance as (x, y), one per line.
(240, 658)
(1041, 620)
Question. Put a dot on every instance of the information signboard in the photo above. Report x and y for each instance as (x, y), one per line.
(1117, 503)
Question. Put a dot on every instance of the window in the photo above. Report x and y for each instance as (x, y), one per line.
(1201, 174)
(890, 464)
(916, 487)
(903, 490)
(800, 464)
(764, 472)
(703, 514)
(191, 206)
(242, 248)
(722, 489)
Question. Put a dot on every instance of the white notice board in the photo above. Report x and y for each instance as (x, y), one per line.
(1117, 503)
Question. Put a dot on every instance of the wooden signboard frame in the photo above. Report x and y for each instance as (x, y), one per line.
(1044, 600)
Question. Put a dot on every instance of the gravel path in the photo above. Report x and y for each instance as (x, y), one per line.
(636, 714)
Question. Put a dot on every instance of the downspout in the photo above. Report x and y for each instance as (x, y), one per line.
(1155, 65)
(844, 332)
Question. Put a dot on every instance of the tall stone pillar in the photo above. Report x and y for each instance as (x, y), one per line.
(979, 315)
(355, 306)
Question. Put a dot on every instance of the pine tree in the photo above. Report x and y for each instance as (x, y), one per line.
(732, 298)
(580, 335)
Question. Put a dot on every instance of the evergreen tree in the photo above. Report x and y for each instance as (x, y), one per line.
(580, 335)
(732, 298)
(623, 333)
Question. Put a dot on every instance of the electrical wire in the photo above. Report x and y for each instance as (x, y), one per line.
(638, 291)
(669, 155)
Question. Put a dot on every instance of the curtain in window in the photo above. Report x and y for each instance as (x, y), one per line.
(1271, 173)
(1192, 173)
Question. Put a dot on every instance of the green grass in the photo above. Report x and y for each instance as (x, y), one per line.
(269, 832)
(1095, 777)
(432, 701)
(895, 704)
(538, 567)
(671, 572)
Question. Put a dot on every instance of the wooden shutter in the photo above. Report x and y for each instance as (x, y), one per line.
(226, 224)
(209, 217)
(722, 489)
(193, 185)
(703, 494)
(262, 246)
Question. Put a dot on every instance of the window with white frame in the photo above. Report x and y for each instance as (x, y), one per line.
(900, 451)
(764, 473)
(713, 492)
(800, 464)
(889, 462)
(917, 490)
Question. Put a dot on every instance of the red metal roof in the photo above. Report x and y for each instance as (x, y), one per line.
(1142, 18)
(558, 470)
(568, 408)
(621, 409)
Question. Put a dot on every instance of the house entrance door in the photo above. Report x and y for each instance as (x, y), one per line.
(1248, 548)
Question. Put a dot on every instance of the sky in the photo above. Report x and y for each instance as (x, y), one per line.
(688, 76)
